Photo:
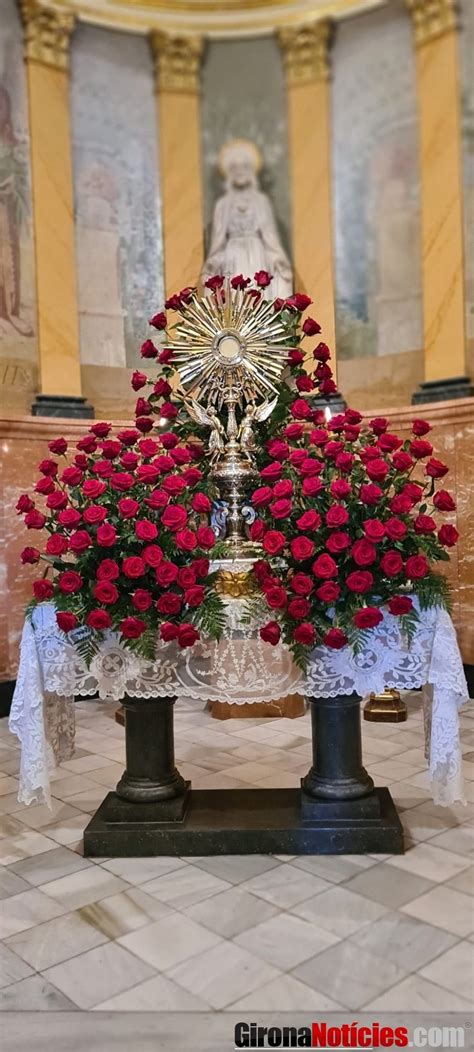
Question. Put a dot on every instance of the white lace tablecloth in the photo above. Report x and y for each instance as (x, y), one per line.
(239, 668)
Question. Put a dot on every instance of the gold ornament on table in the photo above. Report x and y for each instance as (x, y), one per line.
(386, 707)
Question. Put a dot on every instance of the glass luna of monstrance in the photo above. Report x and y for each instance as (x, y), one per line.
(230, 350)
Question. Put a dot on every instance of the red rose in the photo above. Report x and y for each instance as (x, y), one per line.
(374, 529)
(69, 517)
(141, 599)
(44, 486)
(69, 581)
(187, 635)
(448, 535)
(180, 455)
(300, 409)
(191, 476)
(281, 509)
(363, 553)
(56, 544)
(344, 462)
(163, 389)
(30, 556)
(148, 472)
(377, 470)
(165, 356)
(34, 520)
(166, 573)
(143, 407)
(273, 542)
(395, 529)
(206, 537)
(298, 609)
(239, 282)
(391, 563)
(194, 595)
(322, 353)
(276, 597)
(301, 584)
(106, 535)
(257, 530)
(262, 496)
(370, 494)
(201, 567)
(400, 604)
(293, 431)
(311, 486)
(93, 488)
(337, 515)
(138, 380)
(168, 631)
(389, 443)
(111, 448)
(311, 327)
(216, 282)
(328, 592)
(301, 548)
(107, 570)
(158, 320)
(71, 476)
(174, 517)
(186, 540)
(58, 445)
(379, 424)
(283, 488)
(416, 566)
(270, 633)
(42, 590)
(335, 639)
(98, 619)
(443, 501)
(133, 566)
(48, 467)
(79, 541)
(359, 581)
(339, 488)
(297, 456)
(94, 514)
(304, 382)
(57, 500)
(121, 480)
(262, 278)
(158, 499)
(127, 507)
(368, 617)
(145, 530)
(87, 444)
(148, 349)
(420, 427)
(24, 503)
(169, 603)
(200, 503)
(132, 627)
(103, 468)
(277, 449)
(186, 577)
(304, 633)
(100, 429)
(436, 469)
(420, 448)
(324, 566)
(311, 467)
(338, 541)
(152, 555)
(272, 471)
(401, 461)
(65, 620)
(295, 356)
(424, 524)
(309, 520)
(105, 592)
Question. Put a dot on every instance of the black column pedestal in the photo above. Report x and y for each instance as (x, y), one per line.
(62, 405)
(443, 390)
(153, 811)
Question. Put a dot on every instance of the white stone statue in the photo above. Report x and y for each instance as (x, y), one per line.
(244, 236)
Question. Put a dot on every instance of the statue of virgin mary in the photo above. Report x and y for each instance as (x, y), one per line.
(244, 237)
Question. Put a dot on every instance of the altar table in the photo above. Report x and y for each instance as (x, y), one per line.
(239, 668)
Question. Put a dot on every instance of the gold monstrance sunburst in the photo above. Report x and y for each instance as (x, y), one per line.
(229, 350)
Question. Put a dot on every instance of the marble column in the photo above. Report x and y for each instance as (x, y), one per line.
(47, 34)
(177, 65)
(435, 29)
(306, 56)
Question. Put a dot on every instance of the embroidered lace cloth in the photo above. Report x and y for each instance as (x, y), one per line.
(239, 668)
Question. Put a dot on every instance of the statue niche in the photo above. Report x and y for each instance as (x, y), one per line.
(244, 235)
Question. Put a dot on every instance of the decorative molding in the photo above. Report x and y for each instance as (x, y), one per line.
(306, 51)
(177, 61)
(433, 18)
(47, 33)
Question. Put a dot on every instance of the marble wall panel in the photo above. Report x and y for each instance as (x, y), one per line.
(466, 40)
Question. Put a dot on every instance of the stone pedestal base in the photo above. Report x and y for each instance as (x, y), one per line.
(62, 405)
(443, 390)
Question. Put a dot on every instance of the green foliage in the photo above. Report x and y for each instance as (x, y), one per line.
(433, 590)
(210, 617)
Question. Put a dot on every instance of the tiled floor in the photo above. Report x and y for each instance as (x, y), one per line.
(254, 933)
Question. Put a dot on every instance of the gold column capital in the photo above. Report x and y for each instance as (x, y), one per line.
(306, 51)
(432, 18)
(177, 61)
(47, 33)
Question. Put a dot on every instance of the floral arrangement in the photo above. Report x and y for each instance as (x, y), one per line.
(346, 512)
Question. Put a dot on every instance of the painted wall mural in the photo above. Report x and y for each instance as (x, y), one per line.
(17, 280)
(119, 251)
(250, 107)
(376, 187)
(467, 134)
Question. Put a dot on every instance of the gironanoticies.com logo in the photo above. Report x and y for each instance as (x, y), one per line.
(352, 1036)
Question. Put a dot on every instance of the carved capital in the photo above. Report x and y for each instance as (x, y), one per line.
(47, 33)
(177, 61)
(432, 18)
(306, 51)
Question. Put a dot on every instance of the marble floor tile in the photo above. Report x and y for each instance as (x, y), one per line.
(395, 769)
(237, 868)
(348, 974)
(89, 762)
(335, 869)
(11, 884)
(415, 994)
(284, 994)
(184, 887)
(223, 974)
(231, 912)
(285, 886)
(434, 863)
(69, 830)
(8, 785)
(453, 970)
(127, 911)
(459, 839)
(170, 941)
(107, 776)
(463, 881)
(9, 803)
(49, 866)
(55, 940)
(285, 941)
(98, 974)
(87, 885)
(158, 994)
(139, 870)
(421, 826)
(382, 884)
(69, 786)
(403, 939)
(34, 994)
(12, 968)
(25, 910)
(38, 816)
(339, 911)
(23, 845)
(445, 908)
